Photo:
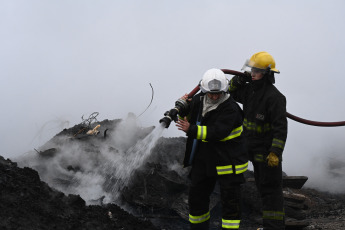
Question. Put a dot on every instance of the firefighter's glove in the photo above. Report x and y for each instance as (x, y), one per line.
(247, 77)
(241, 80)
(272, 160)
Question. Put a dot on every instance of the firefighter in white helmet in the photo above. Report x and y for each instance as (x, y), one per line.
(212, 122)
(265, 128)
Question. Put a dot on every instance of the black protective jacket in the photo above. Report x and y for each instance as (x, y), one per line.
(264, 107)
(223, 122)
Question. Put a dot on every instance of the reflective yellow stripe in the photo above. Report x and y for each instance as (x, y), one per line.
(234, 133)
(221, 170)
(249, 125)
(278, 143)
(252, 126)
(201, 134)
(202, 131)
(258, 158)
(199, 219)
(241, 168)
(273, 215)
(231, 224)
(267, 127)
(232, 87)
(227, 169)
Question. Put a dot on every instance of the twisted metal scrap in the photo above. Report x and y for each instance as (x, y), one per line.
(87, 122)
(92, 118)
(150, 101)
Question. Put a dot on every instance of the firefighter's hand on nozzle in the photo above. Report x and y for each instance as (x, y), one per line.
(272, 160)
(247, 76)
(183, 124)
(243, 79)
(185, 97)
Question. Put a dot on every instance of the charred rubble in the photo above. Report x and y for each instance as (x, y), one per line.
(155, 195)
(28, 203)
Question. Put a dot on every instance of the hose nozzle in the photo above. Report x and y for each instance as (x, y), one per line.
(171, 115)
(165, 121)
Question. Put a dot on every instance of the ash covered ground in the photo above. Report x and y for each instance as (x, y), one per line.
(28, 203)
(128, 177)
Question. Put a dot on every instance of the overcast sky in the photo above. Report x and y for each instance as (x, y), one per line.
(62, 59)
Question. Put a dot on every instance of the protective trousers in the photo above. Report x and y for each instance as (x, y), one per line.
(199, 199)
(269, 183)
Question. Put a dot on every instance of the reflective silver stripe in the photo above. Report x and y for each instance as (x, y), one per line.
(232, 87)
(278, 143)
(228, 169)
(252, 126)
(267, 127)
(199, 219)
(241, 168)
(249, 125)
(204, 132)
(224, 169)
(198, 132)
(201, 133)
(273, 215)
(234, 133)
(259, 158)
(231, 224)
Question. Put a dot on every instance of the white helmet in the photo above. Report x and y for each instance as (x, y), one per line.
(214, 81)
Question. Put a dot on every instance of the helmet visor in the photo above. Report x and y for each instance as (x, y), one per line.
(249, 67)
(246, 67)
(214, 85)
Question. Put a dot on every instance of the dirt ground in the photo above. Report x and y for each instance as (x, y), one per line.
(325, 210)
(28, 203)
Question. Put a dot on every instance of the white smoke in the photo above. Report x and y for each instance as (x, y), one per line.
(96, 169)
(328, 173)
(320, 158)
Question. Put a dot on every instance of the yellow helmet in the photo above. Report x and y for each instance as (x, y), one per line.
(261, 60)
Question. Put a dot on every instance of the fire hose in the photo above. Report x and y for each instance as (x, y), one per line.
(179, 104)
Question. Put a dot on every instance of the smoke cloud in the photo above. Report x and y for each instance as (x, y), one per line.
(97, 169)
(101, 56)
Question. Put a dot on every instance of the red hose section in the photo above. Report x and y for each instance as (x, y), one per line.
(315, 123)
(194, 91)
(289, 115)
(232, 72)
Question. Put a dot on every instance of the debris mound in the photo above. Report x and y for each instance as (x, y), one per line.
(28, 203)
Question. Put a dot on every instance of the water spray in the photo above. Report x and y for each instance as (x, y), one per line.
(132, 160)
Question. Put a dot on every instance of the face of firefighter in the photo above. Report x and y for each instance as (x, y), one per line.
(256, 74)
(214, 96)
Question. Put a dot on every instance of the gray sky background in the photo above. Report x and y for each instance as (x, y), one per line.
(63, 59)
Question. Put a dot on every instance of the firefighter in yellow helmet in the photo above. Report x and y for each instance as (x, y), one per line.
(265, 128)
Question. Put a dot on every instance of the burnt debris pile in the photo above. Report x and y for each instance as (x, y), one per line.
(93, 168)
(28, 203)
(294, 202)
